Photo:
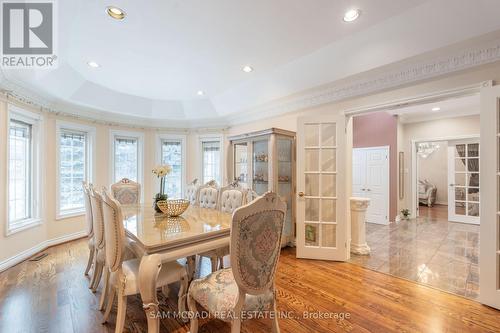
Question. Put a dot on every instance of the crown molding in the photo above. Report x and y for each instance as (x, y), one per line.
(364, 84)
(415, 72)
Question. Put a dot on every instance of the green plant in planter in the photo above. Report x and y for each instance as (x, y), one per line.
(161, 172)
(405, 213)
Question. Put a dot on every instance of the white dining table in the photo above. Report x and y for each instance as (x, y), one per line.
(157, 238)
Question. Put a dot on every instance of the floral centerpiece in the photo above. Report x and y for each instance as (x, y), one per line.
(161, 171)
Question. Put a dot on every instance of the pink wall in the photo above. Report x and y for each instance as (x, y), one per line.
(380, 129)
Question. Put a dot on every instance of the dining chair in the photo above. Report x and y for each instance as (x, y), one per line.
(90, 229)
(124, 274)
(208, 195)
(192, 192)
(99, 240)
(251, 195)
(248, 285)
(231, 197)
(127, 192)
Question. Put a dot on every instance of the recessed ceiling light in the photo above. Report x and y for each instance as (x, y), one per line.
(351, 15)
(200, 93)
(436, 109)
(115, 12)
(93, 64)
(247, 69)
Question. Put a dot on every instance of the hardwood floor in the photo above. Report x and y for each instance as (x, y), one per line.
(52, 295)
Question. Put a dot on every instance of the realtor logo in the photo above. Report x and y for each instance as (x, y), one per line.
(28, 34)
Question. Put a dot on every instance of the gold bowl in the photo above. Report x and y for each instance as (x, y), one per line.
(173, 207)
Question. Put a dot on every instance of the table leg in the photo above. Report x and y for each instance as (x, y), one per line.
(191, 267)
(148, 274)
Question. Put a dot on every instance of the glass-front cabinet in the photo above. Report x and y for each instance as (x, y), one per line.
(265, 161)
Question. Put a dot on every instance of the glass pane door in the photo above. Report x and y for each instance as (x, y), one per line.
(260, 168)
(464, 182)
(241, 163)
(318, 207)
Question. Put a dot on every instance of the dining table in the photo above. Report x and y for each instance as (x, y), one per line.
(157, 238)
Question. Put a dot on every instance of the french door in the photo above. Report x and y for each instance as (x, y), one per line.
(489, 281)
(321, 180)
(463, 181)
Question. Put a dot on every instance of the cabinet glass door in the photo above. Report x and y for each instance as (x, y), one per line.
(284, 154)
(241, 163)
(260, 166)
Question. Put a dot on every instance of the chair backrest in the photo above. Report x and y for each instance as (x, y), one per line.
(114, 232)
(192, 192)
(256, 232)
(97, 218)
(251, 195)
(231, 197)
(126, 191)
(208, 195)
(88, 209)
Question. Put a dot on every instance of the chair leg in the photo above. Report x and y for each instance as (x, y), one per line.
(96, 279)
(104, 289)
(194, 314)
(191, 267)
(109, 304)
(181, 302)
(236, 325)
(214, 260)
(91, 260)
(275, 325)
(221, 262)
(122, 310)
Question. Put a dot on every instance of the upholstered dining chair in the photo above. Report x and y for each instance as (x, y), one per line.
(127, 192)
(251, 195)
(124, 274)
(99, 240)
(192, 192)
(248, 285)
(90, 228)
(208, 195)
(231, 197)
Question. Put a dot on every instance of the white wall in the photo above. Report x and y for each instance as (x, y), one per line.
(434, 169)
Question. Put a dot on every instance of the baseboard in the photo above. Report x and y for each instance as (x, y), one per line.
(20, 257)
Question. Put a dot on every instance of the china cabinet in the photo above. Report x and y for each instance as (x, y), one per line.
(265, 161)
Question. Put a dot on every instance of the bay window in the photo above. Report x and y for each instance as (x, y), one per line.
(127, 148)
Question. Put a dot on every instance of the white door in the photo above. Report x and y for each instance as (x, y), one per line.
(489, 260)
(371, 180)
(321, 188)
(463, 181)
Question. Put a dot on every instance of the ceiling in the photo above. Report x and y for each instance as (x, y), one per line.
(450, 108)
(153, 63)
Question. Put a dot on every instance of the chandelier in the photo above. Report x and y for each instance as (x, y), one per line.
(425, 149)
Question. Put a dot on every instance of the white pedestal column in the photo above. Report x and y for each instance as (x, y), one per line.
(358, 228)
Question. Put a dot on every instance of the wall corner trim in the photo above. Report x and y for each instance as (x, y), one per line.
(22, 256)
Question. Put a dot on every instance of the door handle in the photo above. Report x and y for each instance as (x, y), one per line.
(369, 190)
(363, 189)
(301, 194)
(452, 185)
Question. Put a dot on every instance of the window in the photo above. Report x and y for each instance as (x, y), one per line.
(172, 153)
(20, 171)
(211, 160)
(126, 158)
(23, 187)
(75, 147)
(126, 149)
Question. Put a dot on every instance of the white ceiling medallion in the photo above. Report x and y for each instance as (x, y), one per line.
(351, 15)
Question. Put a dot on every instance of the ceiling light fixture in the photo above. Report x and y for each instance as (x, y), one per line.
(351, 15)
(247, 69)
(200, 93)
(93, 64)
(115, 12)
(436, 109)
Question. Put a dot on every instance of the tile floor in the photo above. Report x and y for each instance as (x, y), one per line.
(428, 250)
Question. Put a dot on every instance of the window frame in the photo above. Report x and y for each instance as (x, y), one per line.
(90, 133)
(139, 136)
(211, 138)
(173, 137)
(35, 120)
